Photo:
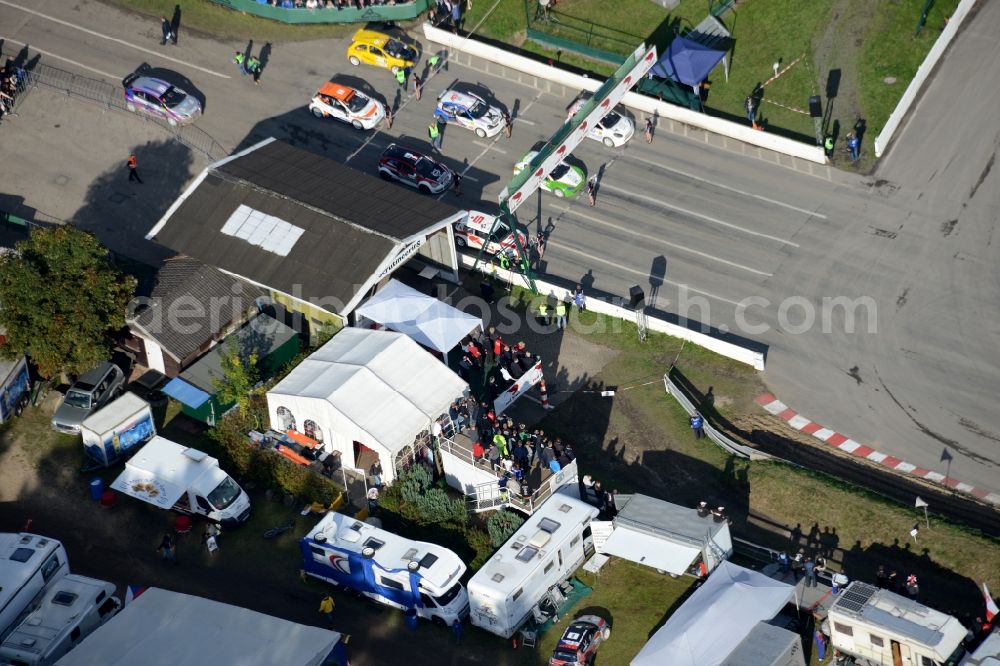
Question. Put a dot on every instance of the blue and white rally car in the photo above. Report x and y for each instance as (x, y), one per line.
(161, 99)
(469, 111)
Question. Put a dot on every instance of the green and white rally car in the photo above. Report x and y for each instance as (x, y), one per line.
(565, 180)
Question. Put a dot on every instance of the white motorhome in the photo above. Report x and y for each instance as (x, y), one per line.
(888, 629)
(668, 537)
(117, 429)
(988, 652)
(28, 564)
(170, 476)
(71, 608)
(410, 575)
(544, 552)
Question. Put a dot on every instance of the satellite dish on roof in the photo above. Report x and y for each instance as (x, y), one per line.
(413, 565)
(368, 552)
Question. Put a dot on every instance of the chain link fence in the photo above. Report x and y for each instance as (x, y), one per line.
(112, 98)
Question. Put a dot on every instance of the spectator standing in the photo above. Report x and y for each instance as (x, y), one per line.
(881, 577)
(166, 549)
(561, 314)
(133, 173)
(255, 68)
(240, 61)
(326, 608)
(456, 629)
(649, 130)
(810, 569)
(401, 78)
(912, 588)
(456, 184)
(820, 641)
(376, 472)
(372, 496)
(592, 191)
(418, 86)
(828, 145)
(751, 108)
(579, 299)
(456, 15)
(168, 33)
(697, 425)
(434, 132)
(854, 145)
(507, 124)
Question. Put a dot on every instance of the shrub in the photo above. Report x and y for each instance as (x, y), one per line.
(501, 525)
(480, 542)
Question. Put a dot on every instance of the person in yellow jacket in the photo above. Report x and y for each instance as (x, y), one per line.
(543, 313)
(326, 608)
(561, 314)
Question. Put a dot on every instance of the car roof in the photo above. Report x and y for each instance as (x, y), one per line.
(94, 375)
(371, 36)
(402, 153)
(150, 84)
(337, 91)
(459, 97)
(484, 225)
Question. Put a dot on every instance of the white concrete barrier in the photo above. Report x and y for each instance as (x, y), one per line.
(910, 94)
(750, 357)
(575, 82)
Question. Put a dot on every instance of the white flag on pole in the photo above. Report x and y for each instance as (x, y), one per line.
(991, 606)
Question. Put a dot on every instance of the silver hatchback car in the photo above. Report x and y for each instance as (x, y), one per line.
(91, 391)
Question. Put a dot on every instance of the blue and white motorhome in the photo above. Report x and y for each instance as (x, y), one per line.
(410, 575)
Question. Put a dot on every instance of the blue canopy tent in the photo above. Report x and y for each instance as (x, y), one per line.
(687, 62)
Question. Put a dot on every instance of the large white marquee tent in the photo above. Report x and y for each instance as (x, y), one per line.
(378, 388)
(432, 323)
(716, 618)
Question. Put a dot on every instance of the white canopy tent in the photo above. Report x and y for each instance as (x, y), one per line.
(716, 618)
(378, 388)
(432, 323)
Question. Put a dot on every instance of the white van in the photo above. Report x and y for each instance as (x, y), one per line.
(71, 608)
(28, 564)
(171, 476)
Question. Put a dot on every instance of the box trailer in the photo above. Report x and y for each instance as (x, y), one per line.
(668, 537)
(544, 552)
(29, 563)
(15, 389)
(71, 608)
(414, 576)
(170, 476)
(888, 629)
(117, 430)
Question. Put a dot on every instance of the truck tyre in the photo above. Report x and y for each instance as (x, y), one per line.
(461, 242)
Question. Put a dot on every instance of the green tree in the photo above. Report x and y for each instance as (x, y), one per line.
(501, 525)
(239, 375)
(61, 299)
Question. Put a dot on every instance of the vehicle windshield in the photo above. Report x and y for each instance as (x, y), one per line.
(357, 103)
(173, 97)
(79, 399)
(224, 494)
(396, 48)
(564, 655)
(610, 120)
(448, 596)
(558, 172)
(428, 168)
(479, 109)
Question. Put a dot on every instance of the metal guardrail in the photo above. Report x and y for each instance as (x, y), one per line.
(488, 496)
(112, 98)
(713, 434)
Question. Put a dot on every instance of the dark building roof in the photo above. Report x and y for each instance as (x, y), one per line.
(185, 282)
(339, 224)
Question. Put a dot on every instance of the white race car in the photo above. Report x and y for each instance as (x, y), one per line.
(344, 103)
(469, 111)
(613, 130)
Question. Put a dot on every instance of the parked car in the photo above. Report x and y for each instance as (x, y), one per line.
(469, 111)
(411, 168)
(613, 130)
(475, 232)
(564, 181)
(161, 99)
(579, 643)
(380, 50)
(91, 391)
(346, 104)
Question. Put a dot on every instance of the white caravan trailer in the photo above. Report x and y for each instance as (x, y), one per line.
(888, 629)
(28, 564)
(668, 537)
(414, 576)
(545, 551)
(171, 476)
(70, 610)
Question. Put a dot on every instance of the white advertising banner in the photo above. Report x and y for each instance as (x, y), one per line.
(518, 388)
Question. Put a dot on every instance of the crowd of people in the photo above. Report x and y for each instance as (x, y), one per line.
(449, 12)
(502, 363)
(12, 80)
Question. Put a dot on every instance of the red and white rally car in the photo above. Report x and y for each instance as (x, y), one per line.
(346, 104)
(475, 232)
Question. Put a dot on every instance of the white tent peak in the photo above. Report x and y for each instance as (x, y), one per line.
(713, 621)
(429, 321)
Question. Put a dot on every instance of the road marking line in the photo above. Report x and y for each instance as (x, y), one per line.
(729, 188)
(68, 24)
(519, 119)
(587, 255)
(488, 145)
(59, 57)
(682, 248)
(707, 218)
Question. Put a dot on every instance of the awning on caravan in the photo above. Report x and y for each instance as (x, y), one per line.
(147, 487)
(653, 551)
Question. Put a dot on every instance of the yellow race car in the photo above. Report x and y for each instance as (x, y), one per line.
(381, 50)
